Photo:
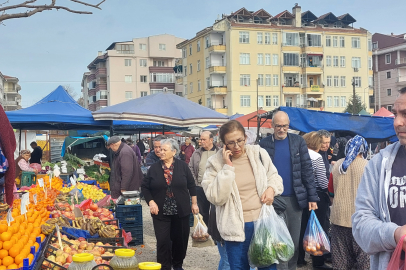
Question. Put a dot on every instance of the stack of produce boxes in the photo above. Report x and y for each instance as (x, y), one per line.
(130, 219)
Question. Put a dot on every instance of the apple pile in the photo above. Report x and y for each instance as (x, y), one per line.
(102, 213)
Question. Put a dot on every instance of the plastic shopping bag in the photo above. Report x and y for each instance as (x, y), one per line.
(271, 241)
(200, 235)
(315, 241)
(397, 262)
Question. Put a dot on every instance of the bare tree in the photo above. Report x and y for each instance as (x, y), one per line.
(81, 102)
(29, 8)
(70, 90)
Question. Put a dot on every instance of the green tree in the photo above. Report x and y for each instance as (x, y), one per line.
(359, 106)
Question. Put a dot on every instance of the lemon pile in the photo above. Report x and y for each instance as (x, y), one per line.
(88, 191)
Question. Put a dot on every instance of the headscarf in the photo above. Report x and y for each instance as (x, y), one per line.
(355, 146)
(24, 152)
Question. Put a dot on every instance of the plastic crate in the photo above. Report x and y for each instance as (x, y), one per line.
(28, 178)
(129, 214)
(105, 185)
(117, 242)
(137, 235)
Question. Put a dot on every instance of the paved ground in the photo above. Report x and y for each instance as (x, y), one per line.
(196, 258)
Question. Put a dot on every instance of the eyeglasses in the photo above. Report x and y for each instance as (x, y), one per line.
(281, 126)
(234, 144)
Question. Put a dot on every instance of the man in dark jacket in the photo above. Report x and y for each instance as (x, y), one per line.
(290, 156)
(126, 173)
(153, 156)
(36, 154)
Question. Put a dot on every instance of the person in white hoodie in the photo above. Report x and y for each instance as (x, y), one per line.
(238, 180)
(379, 220)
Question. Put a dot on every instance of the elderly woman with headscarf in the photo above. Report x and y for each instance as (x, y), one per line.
(343, 186)
(22, 165)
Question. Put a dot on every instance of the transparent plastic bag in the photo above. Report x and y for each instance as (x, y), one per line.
(77, 191)
(315, 240)
(200, 233)
(271, 241)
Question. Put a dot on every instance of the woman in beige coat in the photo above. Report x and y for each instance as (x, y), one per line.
(238, 180)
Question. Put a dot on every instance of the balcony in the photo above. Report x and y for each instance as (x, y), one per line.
(101, 87)
(289, 69)
(312, 49)
(101, 72)
(290, 47)
(217, 48)
(312, 69)
(218, 90)
(10, 102)
(401, 81)
(217, 69)
(18, 87)
(157, 85)
(371, 92)
(91, 77)
(400, 61)
(8, 90)
(314, 89)
(179, 80)
(161, 70)
(292, 89)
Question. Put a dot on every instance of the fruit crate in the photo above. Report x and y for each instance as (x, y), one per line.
(28, 178)
(129, 214)
(136, 234)
(117, 242)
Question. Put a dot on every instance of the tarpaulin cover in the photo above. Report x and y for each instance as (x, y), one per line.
(72, 141)
(253, 122)
(369, 127)
(57, 111)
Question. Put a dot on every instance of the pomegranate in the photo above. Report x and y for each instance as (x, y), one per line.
(93, 207)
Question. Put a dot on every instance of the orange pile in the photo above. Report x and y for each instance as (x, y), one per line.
(57, 183)
(17, 240)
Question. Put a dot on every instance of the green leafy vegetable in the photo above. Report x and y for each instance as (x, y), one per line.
(261, 252)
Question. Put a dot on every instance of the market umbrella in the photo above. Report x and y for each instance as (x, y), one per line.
(253, 120)
(363, 112)
(383, 112)
(162, 108)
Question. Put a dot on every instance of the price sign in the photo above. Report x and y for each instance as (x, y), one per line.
(9, 217)
(23, 206)
(59, 236)
(35, 199)
(41, 182)
(72, 181)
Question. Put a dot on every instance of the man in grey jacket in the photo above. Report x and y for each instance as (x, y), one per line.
(197, 165)
(380, 207)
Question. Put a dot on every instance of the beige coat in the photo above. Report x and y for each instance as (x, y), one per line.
(221, 190)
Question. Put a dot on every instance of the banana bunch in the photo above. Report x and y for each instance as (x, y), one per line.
(108, 232)
(3, 207)
(94, 226)
(49, 225)
(63, 198)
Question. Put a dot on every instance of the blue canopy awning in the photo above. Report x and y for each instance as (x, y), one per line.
(57, 111)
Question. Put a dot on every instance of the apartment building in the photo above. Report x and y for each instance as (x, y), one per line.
(389, 58)
(132, 69)
(10, 98)
(297, 58)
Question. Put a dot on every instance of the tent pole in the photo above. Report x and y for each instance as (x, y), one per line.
(19, 143)
(139, 135)
(25, 133)
(163, 129)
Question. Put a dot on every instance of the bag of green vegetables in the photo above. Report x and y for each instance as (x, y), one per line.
(271, 241)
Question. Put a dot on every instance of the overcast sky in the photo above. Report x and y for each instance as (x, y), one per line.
(54, 47)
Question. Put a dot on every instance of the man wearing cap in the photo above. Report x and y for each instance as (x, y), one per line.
(126, 173)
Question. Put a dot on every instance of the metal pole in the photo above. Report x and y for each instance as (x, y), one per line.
(353, 96)
(163, 129)
(19, 143)
(257, 99)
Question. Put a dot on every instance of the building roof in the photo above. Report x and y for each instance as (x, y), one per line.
(385, 41)
(114, 44)
(97, 60)
(284, 15)
(262, 13)
(9, 78)
(328, 18)
(242, 11)
(308, 16)
(346, 18)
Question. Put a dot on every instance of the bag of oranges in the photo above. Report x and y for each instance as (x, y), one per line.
(315, 241)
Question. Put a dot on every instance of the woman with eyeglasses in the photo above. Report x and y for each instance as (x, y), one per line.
(238, 180)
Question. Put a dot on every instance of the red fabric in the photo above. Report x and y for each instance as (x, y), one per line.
(253, 122)
(330, 184)
(383, 112)
(8, 145)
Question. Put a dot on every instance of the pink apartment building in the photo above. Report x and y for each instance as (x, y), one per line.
(132, 69)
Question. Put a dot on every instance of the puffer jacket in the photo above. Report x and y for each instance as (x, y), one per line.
(221, 189)
(302, 171)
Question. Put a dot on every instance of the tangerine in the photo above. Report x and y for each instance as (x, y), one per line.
(36, 246)
(1, 244)
(7, 245)
(14, 251)
(5, 236)
(7, 261)
(3, 228)
(2, 267)
(3, 253)
(42, 238)
(12, 266)
(19, 258)
(20, 265)
(30, 258)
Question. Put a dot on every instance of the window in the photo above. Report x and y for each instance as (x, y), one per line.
(143, 62)
(162, 47)
(329, 81)
(329, 101)
(371, 81)
(342, 81)
(335, 61)
(128, 78)
(244, 58)
(389, 92)
(244, 37)
(143, 47)
(375, 45)
(190, 49)
(388, 75)
(336, 81)
(342, 61)
(208, 103)
(369, 45)
(388, 58)
(191, 88)
(291, 59)
(127, 62)
(343, 102)
(103, 94)
(389, 108)
(268, 101)
(291, 39)
(128, 94)
(342, 42)
(357, 81)
(275, 80)
(207, 62)
(328, 41)
(267, 38)
(143, 78)
(162, 77)
(336, 101)
(276, 101)
(245, 101)
(275, 38)
(207, 82)
(125, 48)
(335, 41)
(183, 53)
(198, 46)
(328, 61)
(245, 80)
(355, 42)
(159, 63)
(198, 65)
(268, 79)
(259, 38)
(275, 59)
(356, 62)
(267, 59)
(260, 59)
(190, 69)
(260, 79)
(185, 89)
(207, 42)
(370, 63)
(185, 70)
(313, 40)
(199, 87)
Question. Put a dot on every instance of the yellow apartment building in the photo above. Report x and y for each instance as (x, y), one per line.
(290, 59)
